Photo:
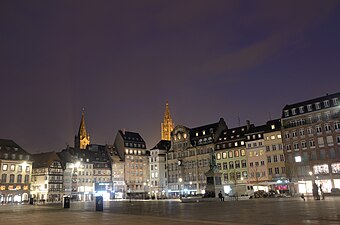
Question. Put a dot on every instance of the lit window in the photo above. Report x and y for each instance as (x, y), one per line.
(203, 132)
(243, 152)
(279, 136)
(218, 156)
(242, 142)
(273, 127)
(298, 158)
(196, 134)
(230, 154)
(272, 137)
(321, 169)
(4, 167)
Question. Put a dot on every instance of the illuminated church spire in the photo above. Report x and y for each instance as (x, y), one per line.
(82, 139)
(167, 126)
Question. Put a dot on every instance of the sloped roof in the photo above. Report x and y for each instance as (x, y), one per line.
(10, 147)
(163, 145)
(43, 160)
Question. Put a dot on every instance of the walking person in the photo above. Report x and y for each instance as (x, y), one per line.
(316, 195)
(321, 192)
(220, 195)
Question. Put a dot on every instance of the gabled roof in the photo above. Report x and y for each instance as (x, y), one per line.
(10, 147)
(44, 160)
(257, 129)
(312, 103)
(162, 145)
(235, 133)
(206, 134)
(131, 136)
(276, 125)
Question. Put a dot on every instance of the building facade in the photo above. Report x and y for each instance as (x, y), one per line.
(189, 157)
(276, 166)
(158, 170)
(231, 155)
(15, 172)
(311, 131)
(118, 172)
(131, 147)
(47, 177)
(256, 157)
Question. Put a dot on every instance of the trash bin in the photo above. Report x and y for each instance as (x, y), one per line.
(99, 203)
(66, 202)
(31, 201)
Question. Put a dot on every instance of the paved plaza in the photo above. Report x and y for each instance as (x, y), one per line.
(254, 211)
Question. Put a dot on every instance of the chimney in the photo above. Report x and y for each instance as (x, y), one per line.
(248, 124)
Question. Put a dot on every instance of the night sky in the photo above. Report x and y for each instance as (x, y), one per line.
(121, 61)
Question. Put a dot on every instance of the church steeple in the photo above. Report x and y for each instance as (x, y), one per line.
(82, 128)
(82, 139)
(167, 126)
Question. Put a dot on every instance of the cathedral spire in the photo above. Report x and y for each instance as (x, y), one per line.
(82, 139)
(82, 128)
(167, 126)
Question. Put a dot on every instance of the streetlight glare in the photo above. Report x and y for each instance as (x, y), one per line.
(77, 164)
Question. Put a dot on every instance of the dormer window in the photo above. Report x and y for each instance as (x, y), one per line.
(273, 127)
(317, 105)
(301, 109)
(293, 111)
(233, 131)
(203, 132)
(335, 101)
(309, 108)
(326, 103)
(196, 134)
(286, 113)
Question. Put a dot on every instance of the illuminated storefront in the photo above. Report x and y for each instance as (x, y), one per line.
(104, 189)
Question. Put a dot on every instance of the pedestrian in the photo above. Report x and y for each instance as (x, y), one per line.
(315, 192)
(303, 197)
(220, 195)
(321, 192)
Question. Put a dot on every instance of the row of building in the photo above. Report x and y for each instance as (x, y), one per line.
(285, 155)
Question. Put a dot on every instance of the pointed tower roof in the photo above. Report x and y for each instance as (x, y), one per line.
(167, 126)
(82, 128)
(167, 111)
